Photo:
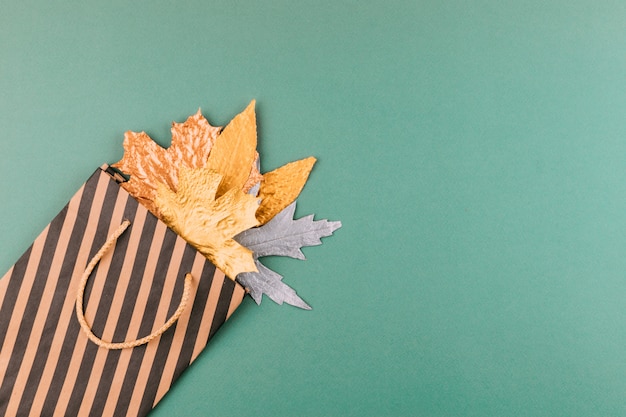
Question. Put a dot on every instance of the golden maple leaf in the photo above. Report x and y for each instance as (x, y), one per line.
(209, 223)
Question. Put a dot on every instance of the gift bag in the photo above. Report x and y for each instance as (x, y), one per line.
(105, 310)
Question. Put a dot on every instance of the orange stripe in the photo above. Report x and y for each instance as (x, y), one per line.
(236, 299)
(181, 327)
(20, 304)
(173, 274)
(209, 313)
(138, 312)
(46, 300)
(68, 310)
(114, 312)
(146, 283)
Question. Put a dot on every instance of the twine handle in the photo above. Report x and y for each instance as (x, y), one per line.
(80, 314)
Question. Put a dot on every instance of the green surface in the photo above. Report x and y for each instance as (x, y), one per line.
(474, 151)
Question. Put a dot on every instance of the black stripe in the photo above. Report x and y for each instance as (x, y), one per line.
(147, 322)
(166, 339)
(73, 328)
(51, 322)
(199, 305)
(221, 311)
(117, 259)
(103, 310)
(31, 307)
(126, 314)
(13, 289)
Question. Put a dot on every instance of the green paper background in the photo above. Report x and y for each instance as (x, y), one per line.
(474, 151)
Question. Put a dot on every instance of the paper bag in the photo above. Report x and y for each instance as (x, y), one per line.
(48, 365)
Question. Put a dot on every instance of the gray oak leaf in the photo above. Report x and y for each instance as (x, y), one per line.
(284, 235)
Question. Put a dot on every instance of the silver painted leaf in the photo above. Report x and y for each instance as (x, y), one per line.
(270, 283)
(284, 236)
(281, 236)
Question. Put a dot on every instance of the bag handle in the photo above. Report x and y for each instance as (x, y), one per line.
(81, 292)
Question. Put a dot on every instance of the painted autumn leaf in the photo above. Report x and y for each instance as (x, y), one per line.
(148, 164)
(265, 281)
(281, 187)
(234, 152)
(284, 235)
(209, 223)
(281, 236)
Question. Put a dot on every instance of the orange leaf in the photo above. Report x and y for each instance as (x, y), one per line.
(192, 141)
(148, 164)
(143, 159)
(281, 187)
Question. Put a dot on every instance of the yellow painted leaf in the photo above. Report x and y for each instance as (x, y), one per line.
(209, 223)
(281, 187)
(234, 151)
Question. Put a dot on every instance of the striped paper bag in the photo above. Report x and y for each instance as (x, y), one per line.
(147, 280)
